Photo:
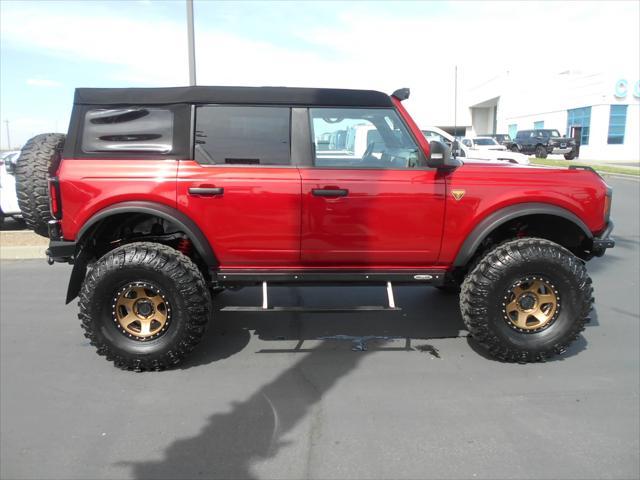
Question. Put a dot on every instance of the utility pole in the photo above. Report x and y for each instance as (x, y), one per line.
(192, 44)
(8, 136)
(455, 104)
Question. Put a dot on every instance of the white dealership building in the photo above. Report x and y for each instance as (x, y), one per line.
(602, 109)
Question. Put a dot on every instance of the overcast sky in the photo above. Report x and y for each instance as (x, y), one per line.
(48, 48)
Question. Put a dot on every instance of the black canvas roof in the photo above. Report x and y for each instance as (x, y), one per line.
(232, 95)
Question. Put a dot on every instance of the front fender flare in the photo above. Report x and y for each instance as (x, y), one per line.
(499, 217)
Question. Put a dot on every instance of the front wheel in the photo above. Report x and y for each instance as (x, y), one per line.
(144, 306)
(570, 156)
(541, 152)
(526, 300)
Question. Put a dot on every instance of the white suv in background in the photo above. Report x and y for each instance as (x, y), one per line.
(8, 200)
(482, 143)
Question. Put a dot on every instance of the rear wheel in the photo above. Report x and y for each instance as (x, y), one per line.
(38, 160)
(526, 300)
(144, 306)
(541, 151)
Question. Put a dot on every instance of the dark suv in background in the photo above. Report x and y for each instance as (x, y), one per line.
(543, 142)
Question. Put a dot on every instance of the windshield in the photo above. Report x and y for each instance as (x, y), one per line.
(484, 141)
(554, 133)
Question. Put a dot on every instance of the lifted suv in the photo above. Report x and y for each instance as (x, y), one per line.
(162, 197)
(543, 142)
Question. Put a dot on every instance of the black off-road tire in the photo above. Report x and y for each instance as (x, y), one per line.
(482, 300)
(514, 148)
(570, 156)
(38, 160)
(541, 151)
(175, 275)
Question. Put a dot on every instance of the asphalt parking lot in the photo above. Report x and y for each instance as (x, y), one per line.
(359, 395)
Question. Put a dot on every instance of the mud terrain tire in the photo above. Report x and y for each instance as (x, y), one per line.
(38, 160)
(488, 291)
(541, 152)
(174, 279)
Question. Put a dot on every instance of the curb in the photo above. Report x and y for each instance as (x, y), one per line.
(22, 245)
(23, 253)
(620, 175)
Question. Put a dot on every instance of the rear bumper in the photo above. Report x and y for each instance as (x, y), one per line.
(59, 250)
(603, 241)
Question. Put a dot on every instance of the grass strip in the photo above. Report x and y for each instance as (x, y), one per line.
(596, 166)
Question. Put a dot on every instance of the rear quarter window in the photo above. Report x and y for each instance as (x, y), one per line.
(128, 130)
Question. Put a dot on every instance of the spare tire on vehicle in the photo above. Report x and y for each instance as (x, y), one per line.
(38, 160)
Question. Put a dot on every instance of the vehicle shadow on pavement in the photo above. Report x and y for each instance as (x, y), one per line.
(426, 314)
(231, 444)
(254, 430)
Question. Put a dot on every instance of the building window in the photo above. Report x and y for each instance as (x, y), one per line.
(538, 125)
(617, 122)
(580, 117)
(513, 130)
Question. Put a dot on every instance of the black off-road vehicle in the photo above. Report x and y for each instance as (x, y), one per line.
(543, 142)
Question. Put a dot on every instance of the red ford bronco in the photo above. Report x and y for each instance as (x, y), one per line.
(162, 196)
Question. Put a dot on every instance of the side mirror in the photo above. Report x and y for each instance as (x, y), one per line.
(441, 156)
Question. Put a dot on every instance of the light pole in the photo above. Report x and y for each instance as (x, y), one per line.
(8, 136)
(192, 44)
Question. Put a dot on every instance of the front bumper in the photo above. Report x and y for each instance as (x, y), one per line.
(603, 241)
(561, 150)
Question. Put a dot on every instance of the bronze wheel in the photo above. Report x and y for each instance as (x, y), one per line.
(516, 315)
(531, 304)
(141, 311)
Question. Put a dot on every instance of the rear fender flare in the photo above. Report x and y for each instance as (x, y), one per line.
(188, 226)
(499, 217)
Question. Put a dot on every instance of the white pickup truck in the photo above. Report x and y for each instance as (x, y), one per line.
(471, 148)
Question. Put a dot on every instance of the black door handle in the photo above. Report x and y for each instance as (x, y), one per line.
(206, 191)
(330, 192)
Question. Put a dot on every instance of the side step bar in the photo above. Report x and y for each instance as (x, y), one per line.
(363, 308)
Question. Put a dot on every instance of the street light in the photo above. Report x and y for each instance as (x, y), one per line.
(192, 44)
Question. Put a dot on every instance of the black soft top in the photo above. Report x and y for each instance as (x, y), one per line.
(232, 95)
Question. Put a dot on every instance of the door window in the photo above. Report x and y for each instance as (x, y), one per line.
(362, 138)
(242, 135)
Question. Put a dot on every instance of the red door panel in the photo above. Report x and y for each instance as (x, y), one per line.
(254, 221)
(387, 218)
